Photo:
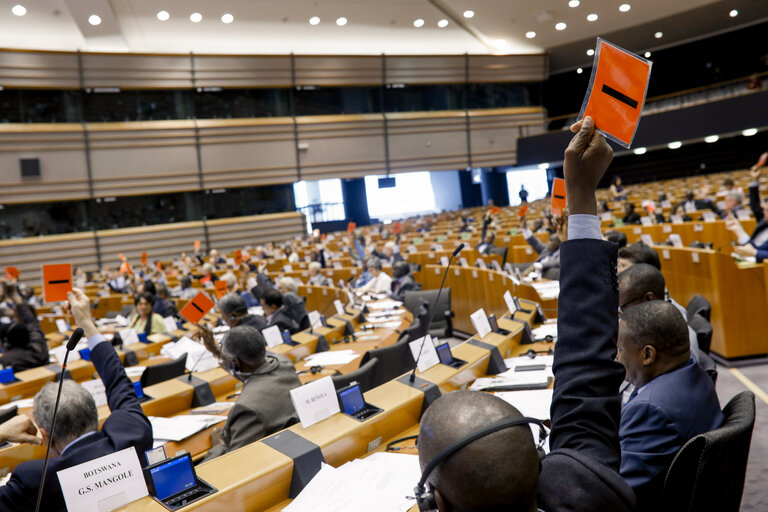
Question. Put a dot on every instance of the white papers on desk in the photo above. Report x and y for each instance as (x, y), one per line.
(534, 403)
(24, 403)
(178, 428)
(198, 357)
(513, 378)
(514, 362)
(385, 323)
(97, 390)
(384, 304)
(135, 371)
(331, 357)
(545, 330)
(379, 483)
(547, 289)
(378, 314)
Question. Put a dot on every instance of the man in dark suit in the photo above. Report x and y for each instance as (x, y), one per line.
(390, 256)
(402, 281)
(234, 312)
(276, 312)
(78, 438)
(264, 405)
(487, 239)
(22, 341)
(502, 470)
(756, 245)
(692, 204)
(674, 399)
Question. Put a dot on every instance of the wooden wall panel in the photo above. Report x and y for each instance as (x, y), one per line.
(247, 152)
(147, 157)
(242, 71)
(341, 146)
(162, 241)
(494, 134)
(230, 234)
(433, 69)
(431, 141)
(508, 68)
(338, 70)
(137, 71)
(54, 70)
(61, 150)
(29, 254)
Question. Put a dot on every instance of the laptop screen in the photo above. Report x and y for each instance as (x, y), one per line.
(287, 337)
(173, 477)
(351, 399)
(493, 323)
(444, 353)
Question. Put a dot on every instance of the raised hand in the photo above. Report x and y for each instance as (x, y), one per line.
(586, 159)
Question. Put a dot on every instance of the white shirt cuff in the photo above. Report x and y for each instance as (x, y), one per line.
(584, 226)
(527, 233)
(743, 239)
(95, 340)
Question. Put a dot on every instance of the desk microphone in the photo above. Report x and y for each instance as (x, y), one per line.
(456, 251)
(71, 344)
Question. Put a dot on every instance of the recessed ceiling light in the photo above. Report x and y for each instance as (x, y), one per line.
(94, 19)
(418, 23)
(163, 15)
(639, 151)
(442, 23)
(749, 132)
(733, 13)
(469, 14)
(530, 34)
(227, 18)
(314, 20)
(711, 139)
(341, 21)
(590, 52)
(592, 17)
(574, 3)
(19, 10)
(624, 7)
(544, 166)
(560, 26)
(647, 55)
(674, 145)
(658, 35)
(195, 17)
(579, 71)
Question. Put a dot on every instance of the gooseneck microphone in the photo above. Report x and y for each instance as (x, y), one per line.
(71, 344)
(456, 251)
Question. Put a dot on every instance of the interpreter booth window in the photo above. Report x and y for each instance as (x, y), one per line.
(533, 179)
(319, 200)
(412, 194)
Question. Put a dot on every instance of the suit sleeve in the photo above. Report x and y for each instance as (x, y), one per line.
(754, 201)
(586, 405)
(762, 253)
(244, 426)
(536, 244)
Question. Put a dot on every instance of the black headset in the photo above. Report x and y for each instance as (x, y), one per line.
(425, 494)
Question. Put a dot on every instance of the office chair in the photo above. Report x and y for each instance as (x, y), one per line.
(700, 305)
(363, 375)
(442, 325)
(164, 371)
(393, 361)
(703, 330)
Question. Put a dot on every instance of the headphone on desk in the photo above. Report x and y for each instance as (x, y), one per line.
(425, 493)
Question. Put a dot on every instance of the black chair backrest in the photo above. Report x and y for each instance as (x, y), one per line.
(394, 361)
(163, 371)
(707, 474)
(441, 322)
(418, 327)
(363, 375)
(700, 305)
(703, 331)
(8, 413)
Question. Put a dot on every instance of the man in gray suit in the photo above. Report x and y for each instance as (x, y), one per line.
(548, 263)
(264, 405)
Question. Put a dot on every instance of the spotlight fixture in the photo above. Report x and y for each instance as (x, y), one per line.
(341, 21)
(195, 17)
(579, 71)
(658, 35)
(733, 13)
(418, 23)
(530, 34)
(590, 52)
(469, 14)
(639, 151)
(163, 16)
(592, 17)
(227, 18)
(19, 10)
(674, 145)
(749, 132)
(624, 7)
(442, 23)
(94, 19)
(574, 3)
(314, 20)
(560, 26)
(711, 139)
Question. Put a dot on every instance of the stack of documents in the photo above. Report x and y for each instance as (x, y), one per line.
(331, 357)
(524, 363)
(177, 428)
(381, 482)
(545, 330)
(516, 378)
(198, 357)
(547, 289)
(384, 304)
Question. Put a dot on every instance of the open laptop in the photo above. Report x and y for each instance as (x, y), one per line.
(353, 404)
(174, 484)
(446, 356)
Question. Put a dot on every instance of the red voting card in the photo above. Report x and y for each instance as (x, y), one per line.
(351, 227)
(197, 308)
(558, 196)
(221, 288)
(11, 273)
(616, 93)
(143, 258)
(495, 210)
(57, 281)
(523, 211)
(763, 158)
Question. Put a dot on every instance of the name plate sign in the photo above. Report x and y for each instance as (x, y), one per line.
(315, 401)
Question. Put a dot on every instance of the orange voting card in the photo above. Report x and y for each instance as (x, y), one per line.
(616, 93)
(495, 210)
(763, 159)
(239, 257)
(396, 227)
(558, 196)
(221, 288)
(523, 211)
(196, 309)
(197, 244)
(11, 273)
(125, 268)
(351, 227)
(143, 258)
(57, 281)
(159, 266)
(121, 256)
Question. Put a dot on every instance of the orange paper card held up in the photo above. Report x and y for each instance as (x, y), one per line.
(197, 244)
(616, 93)
(495, 210)
(196, 309)
(239, 257)
(523, 211)
(11, 273)
(221, 288)
(558, 196)
(57, 281)
(143, 258)
(351, 227)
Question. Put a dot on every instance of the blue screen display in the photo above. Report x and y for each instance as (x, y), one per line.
(444, 353)
(352, 400)
(173, 477)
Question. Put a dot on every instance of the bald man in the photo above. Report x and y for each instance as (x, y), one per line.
(581, 473)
